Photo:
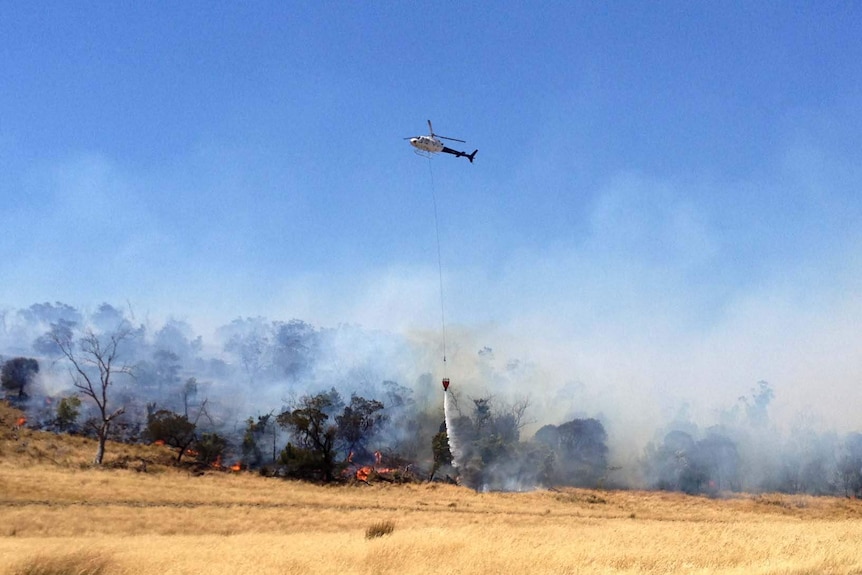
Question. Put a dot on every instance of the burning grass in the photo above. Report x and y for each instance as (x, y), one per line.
(59, 511)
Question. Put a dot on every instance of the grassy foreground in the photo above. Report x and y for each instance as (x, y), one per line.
(60, 516)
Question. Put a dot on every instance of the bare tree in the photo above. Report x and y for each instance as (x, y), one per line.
(95, 363)
(519, 410)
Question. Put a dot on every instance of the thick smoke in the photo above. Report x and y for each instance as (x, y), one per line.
(510, 427)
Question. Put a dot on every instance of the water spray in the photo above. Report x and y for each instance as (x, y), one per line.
(454, 446)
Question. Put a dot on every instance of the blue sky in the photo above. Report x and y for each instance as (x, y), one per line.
(665, 196)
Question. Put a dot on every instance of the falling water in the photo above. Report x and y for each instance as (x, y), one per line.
(454, 448)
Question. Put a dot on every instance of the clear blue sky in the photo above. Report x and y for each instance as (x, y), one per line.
(666, 194)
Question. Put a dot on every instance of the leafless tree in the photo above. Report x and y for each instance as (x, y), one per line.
(95, 363)
(519, 410)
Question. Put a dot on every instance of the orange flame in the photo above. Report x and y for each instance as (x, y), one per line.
(159, 442)
(363, 473)
(21, 422)
(236, 467)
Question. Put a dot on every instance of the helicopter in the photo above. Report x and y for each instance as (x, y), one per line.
(431, 144)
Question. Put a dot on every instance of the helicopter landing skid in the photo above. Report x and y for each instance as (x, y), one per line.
(423, 153)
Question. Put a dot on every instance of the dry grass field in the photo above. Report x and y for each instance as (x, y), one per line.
(60, 516)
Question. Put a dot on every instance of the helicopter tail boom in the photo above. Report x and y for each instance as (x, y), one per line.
(458, 154)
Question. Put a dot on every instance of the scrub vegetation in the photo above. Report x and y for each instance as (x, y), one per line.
(292, 400)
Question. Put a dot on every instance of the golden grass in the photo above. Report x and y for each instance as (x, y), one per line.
(167, 521)
(77, 563)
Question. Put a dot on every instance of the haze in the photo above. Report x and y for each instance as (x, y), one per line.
(663, 211)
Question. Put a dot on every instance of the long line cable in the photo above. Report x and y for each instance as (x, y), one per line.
(439, 265)
(454, 444)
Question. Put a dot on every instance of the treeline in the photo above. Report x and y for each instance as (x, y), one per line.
(745, 451)
(132, 383)
(324, 437)
(296, 401)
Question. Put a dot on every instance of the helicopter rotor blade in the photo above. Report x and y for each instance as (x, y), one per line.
(433, 135)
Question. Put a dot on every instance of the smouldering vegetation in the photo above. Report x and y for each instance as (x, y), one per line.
(292, 400)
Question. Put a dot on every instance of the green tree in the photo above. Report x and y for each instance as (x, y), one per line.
(313, 454)
(68, 410)
(580, 451)
(17, 373)
(358, 423)
(210, 448)
(173, 429)
(442, 455)
(253, 438)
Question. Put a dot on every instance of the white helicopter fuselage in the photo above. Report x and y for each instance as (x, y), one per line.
(431, 144)
(427, 144)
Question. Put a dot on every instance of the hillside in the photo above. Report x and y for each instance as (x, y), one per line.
(20, 446)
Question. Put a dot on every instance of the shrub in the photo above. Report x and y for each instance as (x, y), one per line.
(210, 447)
(379, 529)
(67, 413)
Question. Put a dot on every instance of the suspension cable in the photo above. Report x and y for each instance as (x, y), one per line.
(439, 265)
